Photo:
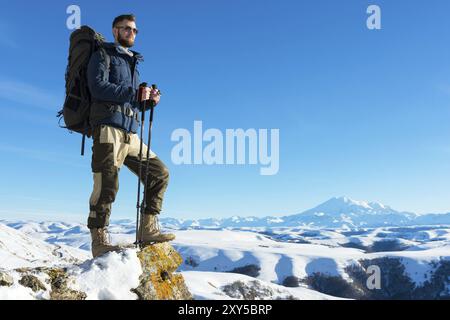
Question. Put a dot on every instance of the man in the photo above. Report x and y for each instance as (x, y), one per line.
(114, 117)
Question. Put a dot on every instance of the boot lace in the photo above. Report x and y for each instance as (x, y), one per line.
(157, 226)
(105, 235)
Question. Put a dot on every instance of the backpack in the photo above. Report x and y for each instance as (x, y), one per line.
(77, 104)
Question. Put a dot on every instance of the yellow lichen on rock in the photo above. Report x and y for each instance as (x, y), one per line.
(158, 281)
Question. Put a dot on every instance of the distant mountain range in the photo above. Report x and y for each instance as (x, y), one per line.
(338, 212)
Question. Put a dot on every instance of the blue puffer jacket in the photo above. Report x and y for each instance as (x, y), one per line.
(114, 91)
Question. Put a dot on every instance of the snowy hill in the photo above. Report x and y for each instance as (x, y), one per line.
(108, 277)
(19, 250)
(322, 253)
(224, 264)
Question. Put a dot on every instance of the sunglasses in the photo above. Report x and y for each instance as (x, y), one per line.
(129, 29)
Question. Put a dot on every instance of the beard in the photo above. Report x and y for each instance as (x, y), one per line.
(126, 43)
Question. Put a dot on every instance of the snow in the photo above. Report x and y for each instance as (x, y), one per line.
(211, 249)
(208, 285)
(16, 292)
(417, 263)
(19, 292)
(109, 277)
(19, 250)
(278, 251)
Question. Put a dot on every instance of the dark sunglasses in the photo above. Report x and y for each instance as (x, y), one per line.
(129, 29)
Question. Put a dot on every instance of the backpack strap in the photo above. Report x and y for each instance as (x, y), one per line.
(107, 60)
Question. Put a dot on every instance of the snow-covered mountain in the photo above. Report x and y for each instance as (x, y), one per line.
(18, 249)
(113, 275)
(338, 212)
(347, 213)
(302, 256)
(277, 263)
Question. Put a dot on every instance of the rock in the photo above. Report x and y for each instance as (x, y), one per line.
(58, 279)
(158, 280)
(291, 282)
(191, 262)
(6, 280)
(247, 291)
(32, 282)
(334, 285)
(60, 289)
(251, 270)
(255, 290)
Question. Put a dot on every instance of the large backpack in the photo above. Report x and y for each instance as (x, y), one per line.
(77, 104)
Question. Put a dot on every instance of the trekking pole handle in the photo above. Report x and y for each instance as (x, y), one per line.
(141, 88)
(144, 85)
(150, 102)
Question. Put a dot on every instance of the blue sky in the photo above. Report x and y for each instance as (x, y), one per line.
(361, 113)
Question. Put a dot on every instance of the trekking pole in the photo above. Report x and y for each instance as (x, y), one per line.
(152, 107)
(138, 204)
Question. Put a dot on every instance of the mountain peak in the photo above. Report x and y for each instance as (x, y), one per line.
(345, 205)
(346, 202)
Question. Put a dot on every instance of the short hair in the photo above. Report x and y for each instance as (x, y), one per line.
(129, 17)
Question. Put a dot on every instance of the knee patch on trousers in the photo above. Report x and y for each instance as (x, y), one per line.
(110, 185)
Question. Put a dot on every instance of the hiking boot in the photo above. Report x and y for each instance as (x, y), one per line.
(150, 232)
(100, 242)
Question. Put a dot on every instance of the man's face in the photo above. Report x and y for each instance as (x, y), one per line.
(125, 32)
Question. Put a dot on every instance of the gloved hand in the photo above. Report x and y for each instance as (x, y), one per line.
(150, 93)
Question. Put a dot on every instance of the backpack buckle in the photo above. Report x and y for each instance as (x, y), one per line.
(129, 112)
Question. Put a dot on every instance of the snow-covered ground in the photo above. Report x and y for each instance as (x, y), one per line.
(209, 286)
(212, 258)
(109, 277)
(251, 253)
